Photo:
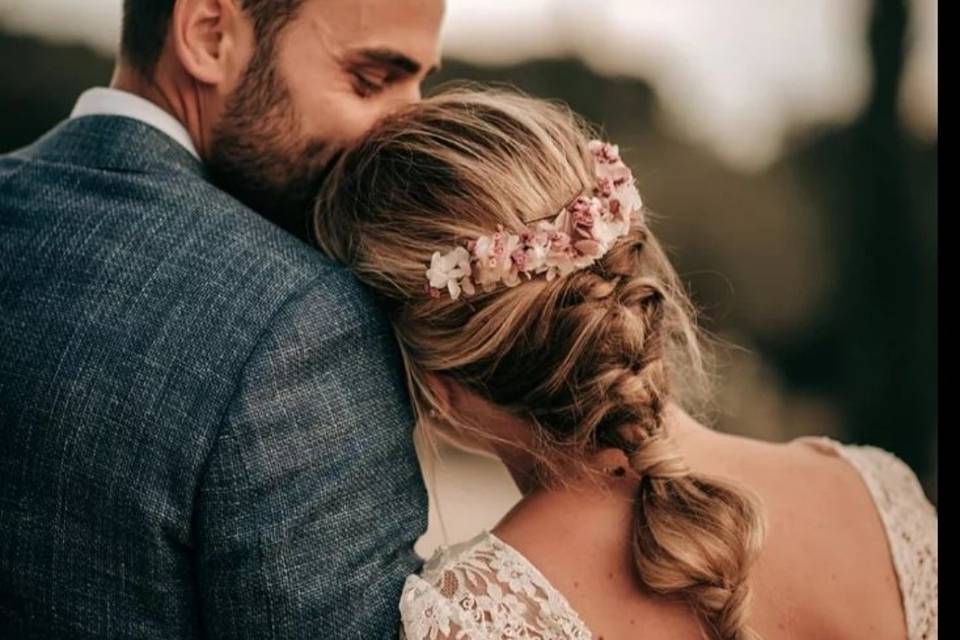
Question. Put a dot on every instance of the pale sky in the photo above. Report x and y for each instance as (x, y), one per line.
(739, 76)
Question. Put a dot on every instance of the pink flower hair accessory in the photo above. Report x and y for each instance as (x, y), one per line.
(580, 234)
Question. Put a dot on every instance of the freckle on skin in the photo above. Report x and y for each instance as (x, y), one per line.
(575, 584)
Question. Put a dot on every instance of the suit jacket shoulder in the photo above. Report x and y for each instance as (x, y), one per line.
(145, 319)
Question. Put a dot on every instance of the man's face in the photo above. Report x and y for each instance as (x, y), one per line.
(335, 69)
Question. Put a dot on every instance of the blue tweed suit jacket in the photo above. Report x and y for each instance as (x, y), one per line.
(203, 426)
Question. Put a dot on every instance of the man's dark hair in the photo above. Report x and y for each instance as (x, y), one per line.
(147, 22)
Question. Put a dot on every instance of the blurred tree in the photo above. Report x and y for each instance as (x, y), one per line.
(876, 345)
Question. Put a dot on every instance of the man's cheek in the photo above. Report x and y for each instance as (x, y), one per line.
(357, 122)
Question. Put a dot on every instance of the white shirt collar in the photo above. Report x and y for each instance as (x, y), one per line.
(113, 102)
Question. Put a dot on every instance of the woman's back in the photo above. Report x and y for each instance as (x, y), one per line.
(847, 526)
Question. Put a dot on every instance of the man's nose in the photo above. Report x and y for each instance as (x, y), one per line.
(408, 94)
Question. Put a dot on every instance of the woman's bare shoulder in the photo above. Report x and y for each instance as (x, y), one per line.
(827, 546)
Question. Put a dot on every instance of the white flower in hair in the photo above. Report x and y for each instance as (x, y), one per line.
(449, 271)
(581, 234)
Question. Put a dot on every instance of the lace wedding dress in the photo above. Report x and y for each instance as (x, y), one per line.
(483, 589)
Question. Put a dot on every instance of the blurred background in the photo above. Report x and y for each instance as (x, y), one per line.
(789, 148)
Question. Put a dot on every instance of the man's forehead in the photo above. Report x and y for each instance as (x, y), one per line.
(403, 29)
(411, 13)
(377, 17)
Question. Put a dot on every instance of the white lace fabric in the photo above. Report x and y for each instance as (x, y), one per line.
(484, 589)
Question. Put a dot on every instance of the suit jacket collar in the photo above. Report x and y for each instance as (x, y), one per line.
(114, 143)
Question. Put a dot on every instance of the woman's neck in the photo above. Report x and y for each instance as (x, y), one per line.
(689, 434)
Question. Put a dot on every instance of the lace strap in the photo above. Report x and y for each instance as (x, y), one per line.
(485, 589)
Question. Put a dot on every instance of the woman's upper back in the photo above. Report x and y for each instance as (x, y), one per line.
(909, 526)
(851, 553)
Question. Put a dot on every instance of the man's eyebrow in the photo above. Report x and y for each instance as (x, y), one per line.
(394, 59)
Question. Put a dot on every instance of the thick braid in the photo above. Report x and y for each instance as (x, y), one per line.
(694, 537)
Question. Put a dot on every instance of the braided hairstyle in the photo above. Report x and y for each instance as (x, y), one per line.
(589, 360)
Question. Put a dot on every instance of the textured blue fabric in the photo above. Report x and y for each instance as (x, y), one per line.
(203, 425)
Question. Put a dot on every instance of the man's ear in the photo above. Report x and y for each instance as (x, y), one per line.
(211, 39)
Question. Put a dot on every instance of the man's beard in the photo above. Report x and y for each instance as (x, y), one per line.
(257, 154)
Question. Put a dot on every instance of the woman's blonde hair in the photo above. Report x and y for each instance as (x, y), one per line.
(589, 360)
